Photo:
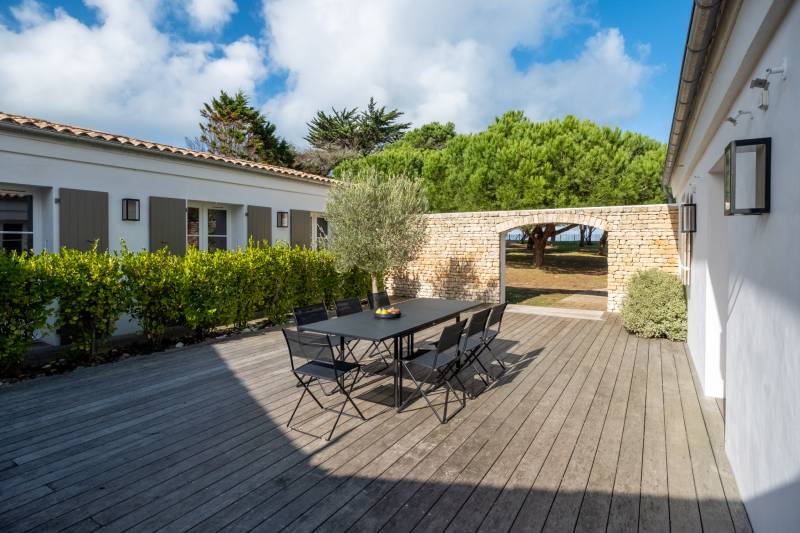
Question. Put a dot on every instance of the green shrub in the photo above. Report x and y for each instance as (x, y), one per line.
(91, 296)
(207, 302)
(655, 306)
(154, 283)
(24, 307)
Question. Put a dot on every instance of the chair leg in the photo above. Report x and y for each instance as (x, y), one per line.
(336, 422)
(496, 358)
(375, 349)
(349, 399)
(443, 381)
(305, 385)
(422, 394)
(299, 401)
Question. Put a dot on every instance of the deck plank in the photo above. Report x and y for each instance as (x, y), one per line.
(684, 512)
(713, 505)
(623, 514)
(654, 500)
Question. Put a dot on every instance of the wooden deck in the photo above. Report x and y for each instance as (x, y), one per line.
(591, 430)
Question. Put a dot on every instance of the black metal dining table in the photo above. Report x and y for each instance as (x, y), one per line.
(416, 315)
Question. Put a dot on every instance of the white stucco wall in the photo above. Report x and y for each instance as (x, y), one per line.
(51, 164)
(744, 307)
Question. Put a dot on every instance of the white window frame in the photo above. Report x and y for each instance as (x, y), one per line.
(34, 214)
(314, 240)
(203, 208)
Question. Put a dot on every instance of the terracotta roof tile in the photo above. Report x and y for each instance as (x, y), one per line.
(73, 131)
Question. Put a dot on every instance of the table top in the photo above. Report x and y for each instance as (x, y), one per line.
(417, 314)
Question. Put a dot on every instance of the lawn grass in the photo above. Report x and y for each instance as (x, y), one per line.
(568, 270)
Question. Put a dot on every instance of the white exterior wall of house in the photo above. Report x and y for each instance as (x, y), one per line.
(744, 290)
(42, 164)
(49, 164)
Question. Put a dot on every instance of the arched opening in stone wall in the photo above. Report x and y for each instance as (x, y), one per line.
(464, 254)
(557, 264)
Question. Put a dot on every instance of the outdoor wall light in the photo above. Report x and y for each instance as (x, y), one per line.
(130, 209)
(747, 176)
(283, 219)
(688, 218)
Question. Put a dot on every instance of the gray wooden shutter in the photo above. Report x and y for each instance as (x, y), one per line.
(300, 228)
(259, 223)
(83, 219)
(168, 224)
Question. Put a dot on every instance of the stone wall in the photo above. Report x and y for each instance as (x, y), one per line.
(464, 256)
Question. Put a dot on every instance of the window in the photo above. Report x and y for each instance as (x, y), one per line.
(193, 227)
(321, 233)
(207, 227)
(217, 229)
(16, 221)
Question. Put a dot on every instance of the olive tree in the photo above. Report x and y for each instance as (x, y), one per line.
(376, 222)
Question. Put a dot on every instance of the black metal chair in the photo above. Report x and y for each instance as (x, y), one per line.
(432, 369)
(378, 299)
(309, 314)
(350, 306)
(492, 330)
(321, 365)
(472, 346)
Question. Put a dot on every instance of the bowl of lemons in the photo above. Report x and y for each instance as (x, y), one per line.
(388, 312)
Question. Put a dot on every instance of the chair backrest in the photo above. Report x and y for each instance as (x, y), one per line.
(450, 340)
(378, 299)
(348, 306)
(308, 314)
(496, 316)
(309, 346)
(477, 323)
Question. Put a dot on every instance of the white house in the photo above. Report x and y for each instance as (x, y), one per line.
(69, 186)
(65, 186)
(734, 162)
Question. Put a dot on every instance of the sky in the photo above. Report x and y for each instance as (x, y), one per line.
(144, 67)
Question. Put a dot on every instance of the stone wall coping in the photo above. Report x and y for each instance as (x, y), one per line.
(571, 210)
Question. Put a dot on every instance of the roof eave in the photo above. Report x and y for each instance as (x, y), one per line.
(699, 40)
(44, 132)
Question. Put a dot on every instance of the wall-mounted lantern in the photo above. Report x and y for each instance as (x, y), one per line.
(688, 218)
(283, 219)
(747, 176)
(130, 209)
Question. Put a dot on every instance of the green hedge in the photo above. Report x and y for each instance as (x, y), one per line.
(655, 306)
(27, 291)
(203, 290)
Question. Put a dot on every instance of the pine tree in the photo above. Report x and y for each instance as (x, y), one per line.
(234, 128)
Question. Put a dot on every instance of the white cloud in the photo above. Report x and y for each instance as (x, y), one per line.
(210, 14)
(122, 75)
(448, 60)
(444, 60)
